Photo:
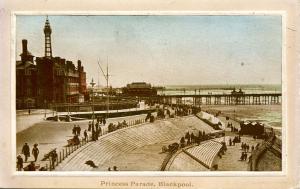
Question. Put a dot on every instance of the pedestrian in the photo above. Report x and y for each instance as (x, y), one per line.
(242, 156)
(35, 152)
(85, 136)
(74, 130)
(26, 151)
(53, 158)
(230, 142)
(90, 126)
(109, 169)
(252, 148)
(104, 121)
(78, 130)
(19, 163)
(29, 111)
(245, 156)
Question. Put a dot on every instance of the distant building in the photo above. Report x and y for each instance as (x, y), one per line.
(140, 89)
(240, 92)
(50, 80)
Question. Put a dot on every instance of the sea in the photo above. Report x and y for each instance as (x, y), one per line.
(270, 115)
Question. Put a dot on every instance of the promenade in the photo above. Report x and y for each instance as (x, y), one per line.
(125, 147)
(50, 135)
(135, 148)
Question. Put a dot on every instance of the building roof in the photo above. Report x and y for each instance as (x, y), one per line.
(23, 65)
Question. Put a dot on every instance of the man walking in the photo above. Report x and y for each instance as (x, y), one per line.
(85, 136)
(26, 151)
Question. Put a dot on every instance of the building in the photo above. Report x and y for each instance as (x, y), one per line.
(26, 87)
(140, 89)
(50, 80)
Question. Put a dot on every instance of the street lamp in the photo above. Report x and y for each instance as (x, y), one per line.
(93, 113)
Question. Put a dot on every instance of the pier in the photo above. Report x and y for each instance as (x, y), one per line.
(222, 99)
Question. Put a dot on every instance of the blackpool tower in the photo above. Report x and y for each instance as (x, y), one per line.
(47, 32)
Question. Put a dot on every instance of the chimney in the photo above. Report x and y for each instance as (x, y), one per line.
(24, 46)
(79, 65)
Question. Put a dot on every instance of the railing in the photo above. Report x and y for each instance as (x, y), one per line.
(68, 150)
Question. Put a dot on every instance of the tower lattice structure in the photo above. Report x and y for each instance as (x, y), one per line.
(47, 32)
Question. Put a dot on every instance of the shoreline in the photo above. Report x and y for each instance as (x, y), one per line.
(251, 113)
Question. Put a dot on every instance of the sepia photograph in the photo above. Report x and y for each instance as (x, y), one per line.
(160, 93)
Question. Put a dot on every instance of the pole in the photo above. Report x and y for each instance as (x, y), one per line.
(93, 113)
(107, 112)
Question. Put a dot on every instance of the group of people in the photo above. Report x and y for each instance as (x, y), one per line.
(188, 139)
(232, 128)
(236, 139)
(244, 156)
(26, 152)
(246, 147)
(149, 117)
(192, 138)
(76, 130)
(176, 110)
(112, 127)
(95, 129)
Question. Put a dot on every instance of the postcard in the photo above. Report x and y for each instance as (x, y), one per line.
(149, 99)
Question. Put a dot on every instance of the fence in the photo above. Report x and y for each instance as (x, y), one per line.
(68, 150)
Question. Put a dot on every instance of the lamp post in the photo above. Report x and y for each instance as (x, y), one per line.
(45, 103)
(93, 113)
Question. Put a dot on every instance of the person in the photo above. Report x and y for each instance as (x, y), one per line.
(245, 156)
(74, 130)
(19, 163)
(104, 121)
(29, 111)
(26, 151)
(90, 126)
(31, 166)
(124, 123)
(182, 142)
(35, 152)
(109, 169)
(230, 142)
(115, 168)
(85, 136)
(53, 158)
(78, 130)
(192, 138)
(242, 156)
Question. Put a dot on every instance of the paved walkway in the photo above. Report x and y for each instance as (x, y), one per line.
(231, 160)
(49, 135)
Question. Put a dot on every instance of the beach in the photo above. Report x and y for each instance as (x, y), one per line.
(270, 115)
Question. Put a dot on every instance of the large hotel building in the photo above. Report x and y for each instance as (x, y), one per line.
(48, 79)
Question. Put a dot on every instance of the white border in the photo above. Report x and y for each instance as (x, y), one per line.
(152, 173)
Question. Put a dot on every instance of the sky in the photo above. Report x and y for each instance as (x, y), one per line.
(163, 50)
